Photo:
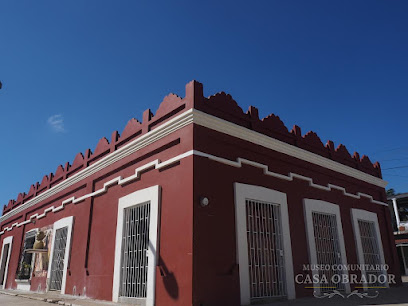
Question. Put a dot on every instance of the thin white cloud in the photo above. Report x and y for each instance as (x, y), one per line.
(56, 122)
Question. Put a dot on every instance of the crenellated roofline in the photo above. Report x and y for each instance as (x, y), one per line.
(220, 105)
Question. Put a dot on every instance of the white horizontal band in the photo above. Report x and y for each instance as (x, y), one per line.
(208, 121)
(240, 132)
(157, 164)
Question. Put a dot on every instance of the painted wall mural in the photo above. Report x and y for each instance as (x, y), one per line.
(43, 242)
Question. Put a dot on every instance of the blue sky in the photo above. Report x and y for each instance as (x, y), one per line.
(75, 71)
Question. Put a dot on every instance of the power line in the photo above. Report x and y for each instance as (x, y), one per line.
(391, 149)
(406, 166)
(384, 160)
(396, 175)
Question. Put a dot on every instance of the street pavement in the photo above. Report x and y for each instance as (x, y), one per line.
(7, 300)
(392, 296)
(18, 297)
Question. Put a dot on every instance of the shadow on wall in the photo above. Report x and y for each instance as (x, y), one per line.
(169, 280)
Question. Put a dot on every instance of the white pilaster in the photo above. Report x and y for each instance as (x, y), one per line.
(394, 203)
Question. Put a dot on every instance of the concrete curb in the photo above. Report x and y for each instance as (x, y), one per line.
(8, 293)
(59, 300)
(45, 300)
(30, 297)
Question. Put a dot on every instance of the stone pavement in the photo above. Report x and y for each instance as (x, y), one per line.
(393, 296)
(39, 298)
(6, 300)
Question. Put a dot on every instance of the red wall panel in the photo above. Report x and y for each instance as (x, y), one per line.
(216, 273)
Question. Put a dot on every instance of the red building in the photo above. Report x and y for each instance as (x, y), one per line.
(200, 203)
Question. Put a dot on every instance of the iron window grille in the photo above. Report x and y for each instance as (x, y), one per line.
(26, 259)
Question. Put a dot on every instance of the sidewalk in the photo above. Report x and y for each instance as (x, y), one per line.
(392, 296)
(55, 298)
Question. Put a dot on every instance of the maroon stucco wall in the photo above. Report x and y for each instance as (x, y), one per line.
(216, 273)
(175, 287)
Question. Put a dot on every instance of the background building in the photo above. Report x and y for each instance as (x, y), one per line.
(398, 205)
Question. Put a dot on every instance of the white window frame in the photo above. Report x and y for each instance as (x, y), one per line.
(33, 258)
(64, 222)
(242, 193)
(7, 240)
(25, 284)
(364, 215)
(152, 195)
(319, 206)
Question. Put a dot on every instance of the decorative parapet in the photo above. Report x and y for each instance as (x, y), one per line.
(169, 108)
(220, 105)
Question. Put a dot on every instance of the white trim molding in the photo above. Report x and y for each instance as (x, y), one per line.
(310, 206)
(7, 240)
(240, 132)
(158, 164)
(152, 195)
(136, 145)
(396, 213)
(200, 118)
(244, 192)
(24, 284)
(364, 215)
(64, 222)
(289, 177)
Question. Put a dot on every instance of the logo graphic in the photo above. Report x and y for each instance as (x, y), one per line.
(344, 296)
(330, 281)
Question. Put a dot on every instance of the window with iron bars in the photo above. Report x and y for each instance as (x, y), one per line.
(25, 264)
